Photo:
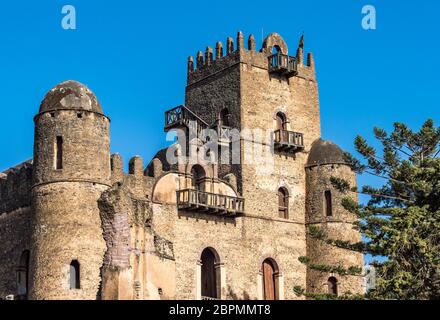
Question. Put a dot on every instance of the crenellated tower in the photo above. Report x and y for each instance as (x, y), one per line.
(270, 90)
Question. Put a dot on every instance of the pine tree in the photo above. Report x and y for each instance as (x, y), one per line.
(401, 221)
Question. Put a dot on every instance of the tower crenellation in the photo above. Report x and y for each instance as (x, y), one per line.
(208, 64)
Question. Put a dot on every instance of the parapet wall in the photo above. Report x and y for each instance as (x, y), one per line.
(15, 186)
(209, 64)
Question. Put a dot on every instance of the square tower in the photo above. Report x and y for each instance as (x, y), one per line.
(266, 90)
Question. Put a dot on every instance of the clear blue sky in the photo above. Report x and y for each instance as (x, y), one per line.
(132, 54)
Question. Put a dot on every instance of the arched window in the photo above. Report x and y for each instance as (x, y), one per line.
(283, 203)
(276, 49)
(23, 274)
(281, 121)
(270, 285)
(225, 117)
(210, 276)
(198, 177)
(328, 207)
(74, 275)
(332, 284)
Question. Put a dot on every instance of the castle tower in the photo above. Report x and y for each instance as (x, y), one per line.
(324, 210)
(71, 170)
(268, 90)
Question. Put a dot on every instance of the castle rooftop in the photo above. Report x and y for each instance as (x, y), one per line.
(70, 95)
(325, 152)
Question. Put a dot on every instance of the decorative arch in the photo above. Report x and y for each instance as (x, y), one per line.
(272, 40)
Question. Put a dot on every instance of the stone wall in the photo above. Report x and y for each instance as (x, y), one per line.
(14, 240)
(339, 226)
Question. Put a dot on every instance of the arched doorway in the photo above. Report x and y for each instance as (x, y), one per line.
(198, 177)
(209, 281)
(23, 275)
(281, 121)
(270, 286)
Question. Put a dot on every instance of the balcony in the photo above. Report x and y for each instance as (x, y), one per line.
(288, 141)
(181, 116)
(195, 200)
(283, 64)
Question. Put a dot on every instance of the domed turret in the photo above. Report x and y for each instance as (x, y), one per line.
(70, 95)
(71, 170)
(325, 152)
(324, 209)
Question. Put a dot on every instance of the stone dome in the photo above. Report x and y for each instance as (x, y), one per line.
(70, 95)
(325, 152)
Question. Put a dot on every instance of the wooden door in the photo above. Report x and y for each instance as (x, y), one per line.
(268, 280)
(209, 281)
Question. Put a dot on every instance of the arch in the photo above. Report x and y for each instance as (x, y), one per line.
(225, 117)
(210, 277)
(275, 49)
(270, 272)
(332, 284)
(281, 121)
(23, 274)
(75, 276)
(198, 175)
(274, 39)
(283, 203)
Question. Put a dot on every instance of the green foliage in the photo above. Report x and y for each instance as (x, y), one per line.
(401, 220)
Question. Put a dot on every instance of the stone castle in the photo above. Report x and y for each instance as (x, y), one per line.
(74, 225)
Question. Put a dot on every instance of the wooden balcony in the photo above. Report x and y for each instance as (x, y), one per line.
(195, 200)
(288, 141)
(181, 116)
(283, 64)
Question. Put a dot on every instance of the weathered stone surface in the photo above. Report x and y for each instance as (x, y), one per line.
(125, 229)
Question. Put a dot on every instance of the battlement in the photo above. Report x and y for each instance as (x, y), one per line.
(15, 187)
(208, 64)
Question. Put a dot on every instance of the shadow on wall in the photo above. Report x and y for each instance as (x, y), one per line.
(234, 296)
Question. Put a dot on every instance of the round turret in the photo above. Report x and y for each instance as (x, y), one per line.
(324, 209)
(71, 170)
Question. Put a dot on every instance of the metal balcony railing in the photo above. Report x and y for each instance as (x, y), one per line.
(283, 64)
(289, 141)
(191, 199)
(182, 116)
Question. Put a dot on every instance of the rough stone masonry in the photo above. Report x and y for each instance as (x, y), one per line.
(75, 225)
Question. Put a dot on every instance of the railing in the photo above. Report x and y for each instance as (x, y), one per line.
(209, 298)
(181, 115)
(205, 201)
(283, 64)
(289, 140)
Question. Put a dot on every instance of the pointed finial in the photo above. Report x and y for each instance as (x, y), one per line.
(240, 41)
(199, 60)
(311, 61)
(301, 41)
(190, 64)
(208, 56)
(229, 45)
(251, 43)
(218, 50)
